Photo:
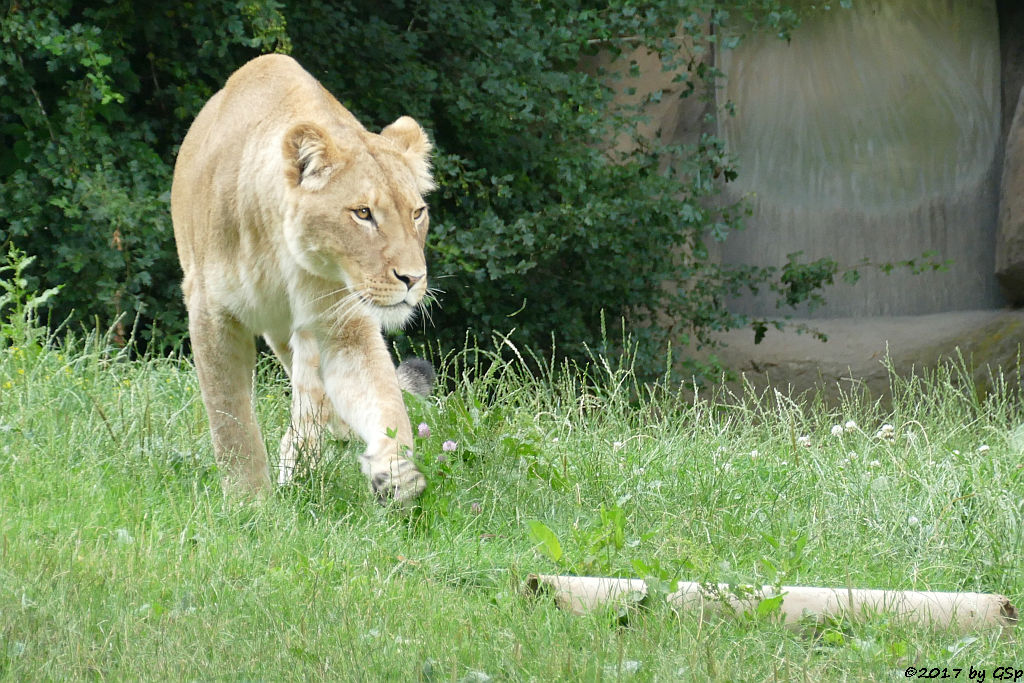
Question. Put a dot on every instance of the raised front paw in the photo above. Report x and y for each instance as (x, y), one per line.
(396, 480)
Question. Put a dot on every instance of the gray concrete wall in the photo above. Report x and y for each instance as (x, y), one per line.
(874, 133)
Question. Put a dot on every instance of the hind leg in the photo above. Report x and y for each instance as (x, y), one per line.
(310, 411)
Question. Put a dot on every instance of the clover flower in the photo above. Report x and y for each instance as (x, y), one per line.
(423, 430)
(449, 446)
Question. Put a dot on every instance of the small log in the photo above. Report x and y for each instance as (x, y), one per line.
(800, 604)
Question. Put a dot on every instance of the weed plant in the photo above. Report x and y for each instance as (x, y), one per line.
(121, 558)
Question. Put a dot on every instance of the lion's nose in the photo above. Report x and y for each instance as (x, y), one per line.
(409, 280)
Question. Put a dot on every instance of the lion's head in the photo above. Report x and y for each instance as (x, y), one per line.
(355, 212)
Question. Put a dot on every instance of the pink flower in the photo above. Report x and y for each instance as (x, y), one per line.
(449, 445)
(423, 430)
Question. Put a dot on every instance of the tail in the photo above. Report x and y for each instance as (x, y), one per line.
(416, 376)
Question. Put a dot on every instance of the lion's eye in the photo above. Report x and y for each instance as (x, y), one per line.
(363, 213)
(418, 213)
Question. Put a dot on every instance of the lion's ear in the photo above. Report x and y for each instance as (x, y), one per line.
(414, 145)
(311, 156)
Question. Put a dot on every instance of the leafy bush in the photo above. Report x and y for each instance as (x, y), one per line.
(19, 307)
(537, 226)
(94, 98)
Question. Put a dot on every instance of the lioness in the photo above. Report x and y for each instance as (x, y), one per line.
(295, 222)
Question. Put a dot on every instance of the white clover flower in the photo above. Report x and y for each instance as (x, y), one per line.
(983, 448)
(449, 445)
(886, 432)
(804, 441)
(837, 430)
(874, 463)
(616, 445)
(850, 426)
(754, 454)
(851, 456)
(913, 521)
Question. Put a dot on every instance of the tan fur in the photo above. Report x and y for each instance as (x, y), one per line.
(269, 200)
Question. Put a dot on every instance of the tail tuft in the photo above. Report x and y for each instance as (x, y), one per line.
(416, 376)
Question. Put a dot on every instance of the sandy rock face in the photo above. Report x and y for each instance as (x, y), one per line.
(1010, 245)
(862, 354)
(874, 133)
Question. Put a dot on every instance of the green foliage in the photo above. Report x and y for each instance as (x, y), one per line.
(94, 98)
(537, 225)
(19, 306)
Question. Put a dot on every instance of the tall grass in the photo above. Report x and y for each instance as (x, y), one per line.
(120, 558)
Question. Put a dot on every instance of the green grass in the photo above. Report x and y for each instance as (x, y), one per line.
(120, 558)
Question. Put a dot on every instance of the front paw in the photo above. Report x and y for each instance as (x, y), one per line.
(396, 480)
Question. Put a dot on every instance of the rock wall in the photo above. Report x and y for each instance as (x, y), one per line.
(1010, 244)
(881, 131)
(874, 134)
(863, 354)
(1011, 48)
(1010, 241)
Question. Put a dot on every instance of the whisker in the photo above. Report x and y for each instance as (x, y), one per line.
(428, 316)
(330, 293)
(342, 310)
(431, 298)
(345, 310)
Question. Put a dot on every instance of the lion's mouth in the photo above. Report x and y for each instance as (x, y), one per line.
(393, 316)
